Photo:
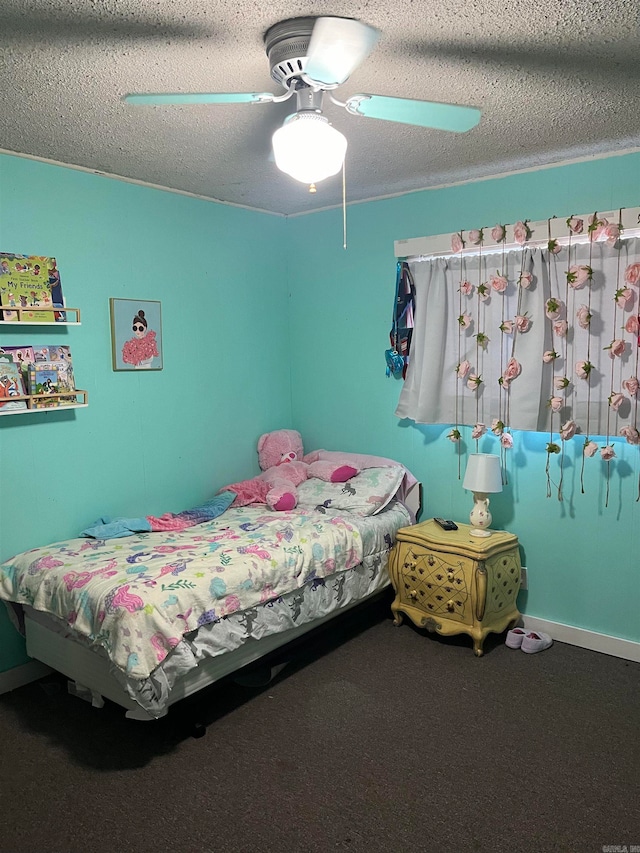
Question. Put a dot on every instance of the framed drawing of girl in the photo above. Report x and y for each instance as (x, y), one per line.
(136, 334)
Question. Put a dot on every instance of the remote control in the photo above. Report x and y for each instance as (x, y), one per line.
(446, 524)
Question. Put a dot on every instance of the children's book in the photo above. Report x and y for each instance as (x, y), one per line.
(43, 379)
(64, 372)
(41, 354)
(52, 377)
(52, 353)
(11, 385)
(22, 356)
(58, 358)
(31, 283)
(59, 353)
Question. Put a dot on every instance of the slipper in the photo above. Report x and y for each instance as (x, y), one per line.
(535, 641)
(515, 638)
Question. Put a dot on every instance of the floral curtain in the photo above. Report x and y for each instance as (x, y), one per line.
(542, 338)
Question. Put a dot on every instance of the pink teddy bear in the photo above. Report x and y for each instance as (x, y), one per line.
(281, 457)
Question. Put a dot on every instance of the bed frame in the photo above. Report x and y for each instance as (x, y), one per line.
(91, 679)
(90, 673)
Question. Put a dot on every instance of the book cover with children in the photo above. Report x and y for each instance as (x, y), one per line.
(31, 283)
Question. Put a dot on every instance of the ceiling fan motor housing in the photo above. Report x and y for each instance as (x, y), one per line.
(287, 44)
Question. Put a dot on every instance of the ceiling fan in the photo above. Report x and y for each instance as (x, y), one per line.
(309, 57)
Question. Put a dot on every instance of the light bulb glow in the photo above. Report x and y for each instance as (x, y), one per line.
(308, 148)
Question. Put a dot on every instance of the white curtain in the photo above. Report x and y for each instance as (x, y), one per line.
(435, 393)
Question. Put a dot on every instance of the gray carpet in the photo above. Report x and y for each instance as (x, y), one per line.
(375, 738)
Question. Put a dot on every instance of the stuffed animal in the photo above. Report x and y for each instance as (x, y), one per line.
(281, 457)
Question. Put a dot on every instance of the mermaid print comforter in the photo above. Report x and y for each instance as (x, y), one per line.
(137, 597)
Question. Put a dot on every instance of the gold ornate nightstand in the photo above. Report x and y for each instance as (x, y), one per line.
(452, 582)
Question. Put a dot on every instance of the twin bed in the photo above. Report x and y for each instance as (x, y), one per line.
(148, 619)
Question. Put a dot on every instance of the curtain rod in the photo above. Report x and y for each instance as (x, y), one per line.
(556, 228)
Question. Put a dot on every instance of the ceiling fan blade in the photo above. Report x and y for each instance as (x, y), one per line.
(453, 117)
(337, 47)
(203, 98)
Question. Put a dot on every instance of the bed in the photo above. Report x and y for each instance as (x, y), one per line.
(151, 618)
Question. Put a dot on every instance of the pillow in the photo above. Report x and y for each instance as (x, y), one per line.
(365, 494)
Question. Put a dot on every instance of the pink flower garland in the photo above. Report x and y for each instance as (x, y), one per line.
(578, 277)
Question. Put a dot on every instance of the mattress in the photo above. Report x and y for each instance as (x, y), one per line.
(316, 598)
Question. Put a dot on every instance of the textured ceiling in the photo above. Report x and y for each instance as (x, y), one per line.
(555, 80)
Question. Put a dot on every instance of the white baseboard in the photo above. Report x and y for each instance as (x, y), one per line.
(21, 675)
(627, 649)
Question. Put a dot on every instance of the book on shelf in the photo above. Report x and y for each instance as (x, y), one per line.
(64, 374)
(53, 376)
(31, 283)
(59, 358)
(52, 353)
(11, 385)
(43, 379)
(22, 356)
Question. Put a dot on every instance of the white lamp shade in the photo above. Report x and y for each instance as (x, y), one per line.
(308, 148)
(483, 473)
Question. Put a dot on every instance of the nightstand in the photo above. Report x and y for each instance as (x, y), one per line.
(452, 582)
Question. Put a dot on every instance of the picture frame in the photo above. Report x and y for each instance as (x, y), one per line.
(136, 334)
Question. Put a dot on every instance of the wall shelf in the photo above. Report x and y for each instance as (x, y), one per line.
(21, 311)
(31, 398)
(33, 401)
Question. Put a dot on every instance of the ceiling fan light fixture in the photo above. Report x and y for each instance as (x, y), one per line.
(308, 148)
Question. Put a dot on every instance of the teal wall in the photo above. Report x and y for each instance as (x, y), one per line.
(292, 329)
(155, 441)
(582, 557)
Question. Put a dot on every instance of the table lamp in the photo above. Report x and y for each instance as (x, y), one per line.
(482, 477)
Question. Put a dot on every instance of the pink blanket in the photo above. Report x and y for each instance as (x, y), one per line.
(249, 492)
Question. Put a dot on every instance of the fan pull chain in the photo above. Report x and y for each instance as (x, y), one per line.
(344, 207)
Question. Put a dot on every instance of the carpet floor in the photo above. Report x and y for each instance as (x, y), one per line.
(374, 738)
